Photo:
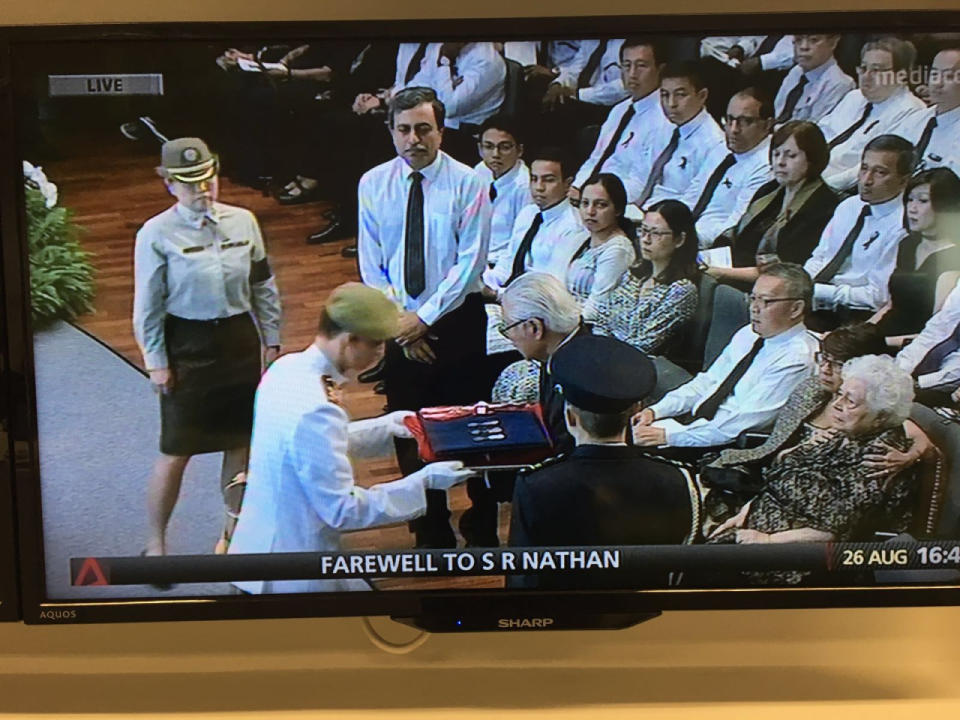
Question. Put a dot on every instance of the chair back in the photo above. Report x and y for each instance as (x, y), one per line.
(686, 348)
(512, 88)
(730, 312)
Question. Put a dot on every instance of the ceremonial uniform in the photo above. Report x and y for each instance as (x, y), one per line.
(198, 277)
(300, 492)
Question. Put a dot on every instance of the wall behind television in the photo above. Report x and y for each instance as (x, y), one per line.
(862, 663)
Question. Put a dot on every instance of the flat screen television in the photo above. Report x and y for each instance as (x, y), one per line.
(136, 293)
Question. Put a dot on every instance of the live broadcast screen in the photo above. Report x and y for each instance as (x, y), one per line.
(647, 312)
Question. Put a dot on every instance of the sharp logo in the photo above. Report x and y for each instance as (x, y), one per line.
(524, 623)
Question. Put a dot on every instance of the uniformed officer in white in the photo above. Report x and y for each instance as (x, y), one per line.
(881, 102)
(720, 194)
(506, 177)
(857, 252)
(300, 492)
(815, 85)
(936, 132)
(622, 145)
(680, 151)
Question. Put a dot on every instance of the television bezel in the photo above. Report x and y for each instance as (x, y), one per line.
(444, 604)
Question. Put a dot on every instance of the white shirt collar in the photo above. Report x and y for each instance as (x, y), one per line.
(323, 365)
(648, 102)
(429, 172)
(787, 335)
(896, 97)
(762, 147)
(881, 210)
(195, 219)
(508, 177)
(556, 211)
(817, 73)
(693, 123)
(949, 117)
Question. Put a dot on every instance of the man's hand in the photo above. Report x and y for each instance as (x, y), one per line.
(750, 66)
(364, 103)
(162, 379)
(735, 53)
(647, 435)
(644, 417)
(412, 328)
(535, 71)
(420, 351)
(270, 353)
(488, 293)
(556, 95)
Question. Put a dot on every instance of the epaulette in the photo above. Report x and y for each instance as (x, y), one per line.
(552, 460)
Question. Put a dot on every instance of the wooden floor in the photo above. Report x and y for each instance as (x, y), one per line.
(111, 187)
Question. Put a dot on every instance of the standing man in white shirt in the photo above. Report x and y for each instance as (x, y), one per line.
(752, 378)
(300, 494)
(621, 147)
(679, 152)
(469, 79)
(815, 85)
(881, 102)
(424, 229)
(935, 132)
(505, 175)
(933, 358)
(857, 252)
(720, 194)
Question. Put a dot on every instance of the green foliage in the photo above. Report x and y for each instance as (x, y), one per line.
(61, 276)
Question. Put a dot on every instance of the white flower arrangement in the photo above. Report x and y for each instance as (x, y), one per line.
(35, 176)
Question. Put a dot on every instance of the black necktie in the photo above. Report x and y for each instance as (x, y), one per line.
(934, 358)
(792, 99)
(925, 140)
(711, 185)
(583, 79)
(414, 66)
(656, 172)
(543, 53)
(493, 192)
(708, 408)
(846, 134)
(414, 280)
(520, 258)
(612, 145)
(830, 269)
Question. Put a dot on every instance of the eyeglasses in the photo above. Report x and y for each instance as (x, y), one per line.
(742, 120)
(764, 302)
(655, 233)
(502, 329)
(821, 358)
(504, 147)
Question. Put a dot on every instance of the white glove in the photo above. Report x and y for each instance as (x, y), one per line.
(394, 423)
(444, 475)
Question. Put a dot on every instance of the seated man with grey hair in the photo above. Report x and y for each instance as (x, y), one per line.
(820, 490)
(752, 378)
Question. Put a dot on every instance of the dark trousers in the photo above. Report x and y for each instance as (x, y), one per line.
(454, 379)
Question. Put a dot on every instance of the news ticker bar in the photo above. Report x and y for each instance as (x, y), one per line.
(821, 557)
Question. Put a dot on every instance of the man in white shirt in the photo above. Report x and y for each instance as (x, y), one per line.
(750, 381)
(506, 177)
(857, 252)
(621, 147)
(815, 85)
(543, 62)
(469, 79)
(933, 358)
(300, 493)
(678, 153)
(721, 192)
(547, 233)
(881, 102)
(424, 228)
(935, 132)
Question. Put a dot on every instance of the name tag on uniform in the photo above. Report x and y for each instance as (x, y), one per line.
(233, 244)
(194, 249)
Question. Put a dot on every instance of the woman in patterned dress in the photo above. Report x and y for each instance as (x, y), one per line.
(658, 295)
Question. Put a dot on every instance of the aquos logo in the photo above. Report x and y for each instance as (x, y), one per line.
(58, 614)
(524, 623)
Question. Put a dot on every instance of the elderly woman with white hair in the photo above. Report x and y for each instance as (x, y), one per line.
(819, 490)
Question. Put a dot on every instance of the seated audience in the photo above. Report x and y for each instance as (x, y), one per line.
(608, 250)
(545, 234)
(882, 101)
(819, 490)
(935, 132)
(786, 217)
(676, 155)
(748, 384)
(592, 495)
(592, 79)
(543, 62)
(932, 204)
(655, 298)
(720, 194)
(621, 146)
(852, 263)
(815, 85)
(506, 176)
(933, 358)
